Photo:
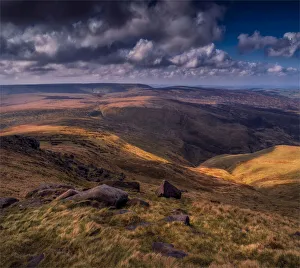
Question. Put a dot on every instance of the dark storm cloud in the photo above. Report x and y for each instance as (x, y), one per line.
(69, 31)
(28, 12)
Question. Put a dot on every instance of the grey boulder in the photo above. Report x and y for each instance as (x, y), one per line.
(105, 194)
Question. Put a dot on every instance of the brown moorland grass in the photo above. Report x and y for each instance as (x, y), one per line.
(220, 235)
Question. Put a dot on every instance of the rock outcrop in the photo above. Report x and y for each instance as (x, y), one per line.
(168, 190)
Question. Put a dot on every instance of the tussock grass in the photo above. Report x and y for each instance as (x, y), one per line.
(220, 236)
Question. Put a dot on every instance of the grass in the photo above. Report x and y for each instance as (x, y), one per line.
(274, 165)
(87, 237)
(232, 225)
(275, 170)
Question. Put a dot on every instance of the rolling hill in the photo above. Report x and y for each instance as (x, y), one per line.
(243, 208)
(276, 169)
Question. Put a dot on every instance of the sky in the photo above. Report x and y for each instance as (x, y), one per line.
(187, 42)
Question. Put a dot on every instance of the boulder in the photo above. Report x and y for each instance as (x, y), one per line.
(168, 250)
(108, 195)
(7, 201)
(179, 217)
(168, 190)
(130, 185)
(138, 202)
(67, 194)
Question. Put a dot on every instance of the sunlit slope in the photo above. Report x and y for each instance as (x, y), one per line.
(269, 168)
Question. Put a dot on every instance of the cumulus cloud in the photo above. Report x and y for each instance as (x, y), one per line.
(203, 56)
(108, 40)
(146, 53)
(287, 46)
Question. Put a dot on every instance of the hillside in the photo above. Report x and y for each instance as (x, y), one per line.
(276, 169)
(132, 139)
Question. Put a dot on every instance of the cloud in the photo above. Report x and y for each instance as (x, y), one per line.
(65, 34)
(110, 40)
(203, 56)
(287, 46)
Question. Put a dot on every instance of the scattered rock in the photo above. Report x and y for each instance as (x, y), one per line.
(138, 202)
(168, 190)
(168, 250)
(35, 260)
(108, 195)
(67, 194)
(179, 217)
(134, 226)
(130, 185)
(7, 201)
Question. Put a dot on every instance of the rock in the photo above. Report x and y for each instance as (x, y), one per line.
(67, 194)
(131, 185)
(138, 202)
(178, 211)
(105, 194)
(87, 203)
(134, 226)
(168, 250)
(49, 189)
(179, 217)
(7, 201)
(168, 190)
(35, 260)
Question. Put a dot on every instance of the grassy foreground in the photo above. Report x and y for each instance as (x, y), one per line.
(219, 235)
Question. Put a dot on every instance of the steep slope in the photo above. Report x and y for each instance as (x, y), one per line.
(276, 169)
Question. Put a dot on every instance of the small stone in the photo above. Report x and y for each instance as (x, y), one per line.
(180, 217)
(168, 250)
(7, 201)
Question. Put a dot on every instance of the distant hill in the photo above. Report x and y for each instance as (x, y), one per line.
(276, 169)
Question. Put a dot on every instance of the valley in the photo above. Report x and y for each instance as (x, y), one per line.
(234, 155)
